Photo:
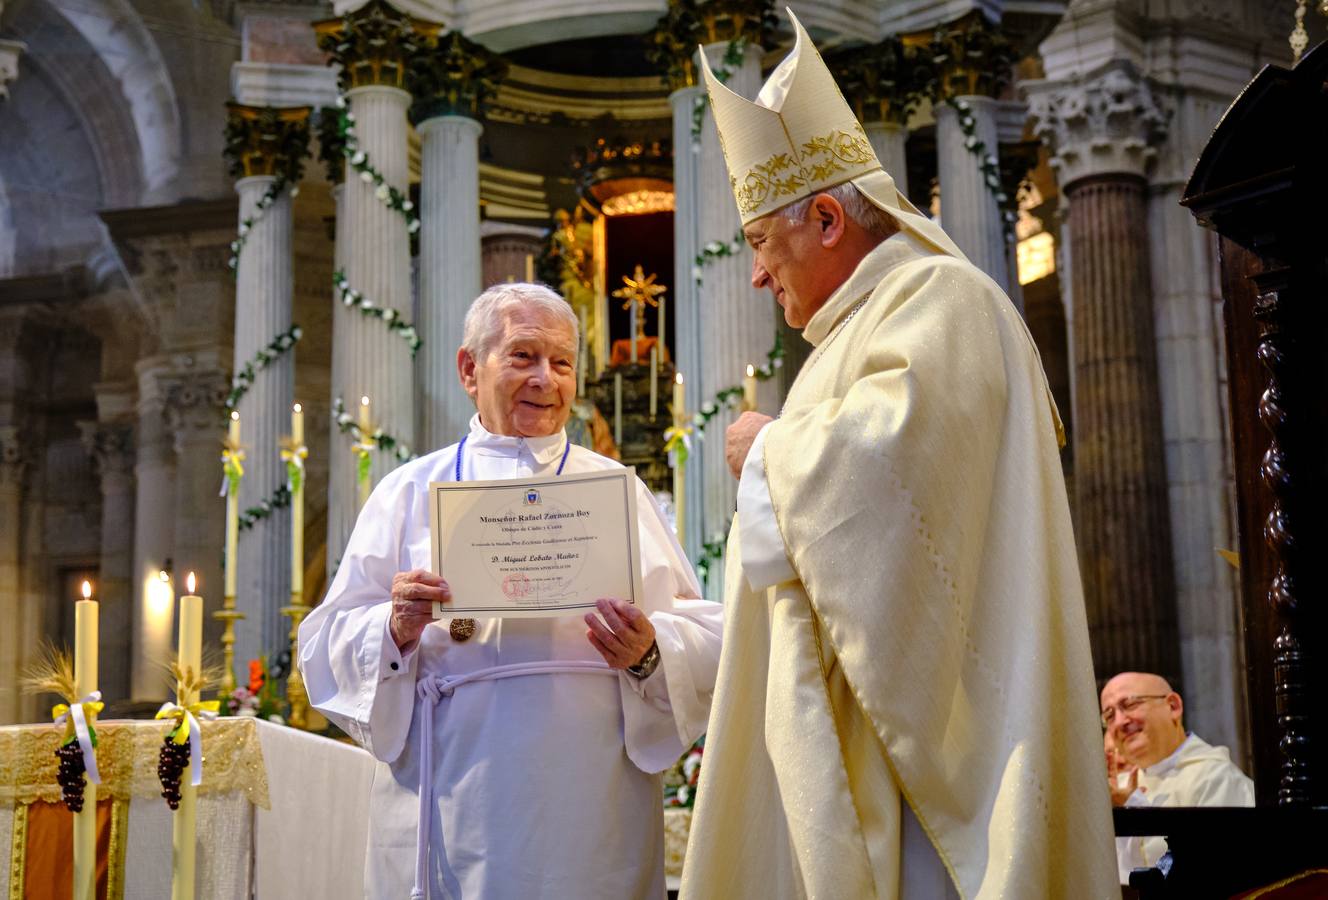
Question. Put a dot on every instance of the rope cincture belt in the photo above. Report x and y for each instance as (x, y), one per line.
(432, 688)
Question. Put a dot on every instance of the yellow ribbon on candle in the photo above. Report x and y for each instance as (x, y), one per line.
(363, 462)
(60, 713)
(678, 443)
(232, 458)
(204, 709)
(293, 456)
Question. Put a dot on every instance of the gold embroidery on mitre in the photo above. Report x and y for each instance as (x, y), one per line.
(822, 157)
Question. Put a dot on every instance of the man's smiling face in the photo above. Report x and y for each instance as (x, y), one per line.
(526, 383)
(1145, 717)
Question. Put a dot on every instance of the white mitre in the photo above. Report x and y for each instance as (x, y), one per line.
(801, 137)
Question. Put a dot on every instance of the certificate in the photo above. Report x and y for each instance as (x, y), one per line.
(535, 547)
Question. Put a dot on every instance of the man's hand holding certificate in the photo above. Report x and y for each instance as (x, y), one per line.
(537, 547)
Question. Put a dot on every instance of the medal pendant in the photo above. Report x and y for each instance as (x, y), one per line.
(462, 629)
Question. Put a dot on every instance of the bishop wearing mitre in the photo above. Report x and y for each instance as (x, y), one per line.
(905, 700)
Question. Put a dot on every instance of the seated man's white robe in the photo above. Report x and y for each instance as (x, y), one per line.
(542, 785)
(1196, 774)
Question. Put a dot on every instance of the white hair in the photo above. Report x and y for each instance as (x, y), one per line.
(867, 215)
(487, 316)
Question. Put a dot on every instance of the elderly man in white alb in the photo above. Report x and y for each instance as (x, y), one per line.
(540, 785)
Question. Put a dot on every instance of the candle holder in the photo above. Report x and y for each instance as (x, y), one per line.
(228, 615)
(296, 695)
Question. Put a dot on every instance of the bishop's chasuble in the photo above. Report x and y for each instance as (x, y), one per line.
(543, 786)
(926, 639)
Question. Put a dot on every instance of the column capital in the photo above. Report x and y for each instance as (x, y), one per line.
(10, 51)
(111, 446)
(1108, 122)
(194, 402)
(675, 36)
(374, 44)
(454, 76)
(885, 81)
(969, 57)
(267, 140)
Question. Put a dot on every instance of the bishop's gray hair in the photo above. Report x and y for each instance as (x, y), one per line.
(487, 316)
(867, 215)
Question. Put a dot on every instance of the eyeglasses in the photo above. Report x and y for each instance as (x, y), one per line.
(1129, 704)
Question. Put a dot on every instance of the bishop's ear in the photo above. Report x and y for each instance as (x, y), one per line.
(830, 219)
(466, 372)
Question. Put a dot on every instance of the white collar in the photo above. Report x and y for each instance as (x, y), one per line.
(545, 449)
(1164, 766)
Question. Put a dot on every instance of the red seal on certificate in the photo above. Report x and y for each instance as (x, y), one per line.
(516, 586)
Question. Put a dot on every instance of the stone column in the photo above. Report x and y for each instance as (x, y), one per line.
(373, 45)
(154, 529)
(451, 84)
(13, 654)
(112, 448)
(194, 404)
(889, 139)
(1099, 129)
(267, 149)
(740, 318)
(969, 210)
(690, 336)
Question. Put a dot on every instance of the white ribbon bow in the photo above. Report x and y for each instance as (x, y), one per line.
(83, 735)
(195, 737)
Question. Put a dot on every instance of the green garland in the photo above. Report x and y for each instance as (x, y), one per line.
(264, 204)
(244, 379)
(279, 499)
(730, 396)
(384, 441)
(733, 57)
(987, 164)
(389, 316)
(712, 551)
(717, 250)
(359, 161)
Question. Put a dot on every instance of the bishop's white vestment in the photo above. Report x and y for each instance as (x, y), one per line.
(1195, 774)
(906, 687)
(542, 786)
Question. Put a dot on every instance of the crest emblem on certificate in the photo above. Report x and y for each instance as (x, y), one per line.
(532, 497)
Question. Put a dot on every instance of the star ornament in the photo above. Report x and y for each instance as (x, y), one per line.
(640, 289)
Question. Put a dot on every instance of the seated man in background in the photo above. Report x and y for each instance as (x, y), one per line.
(1153, 761)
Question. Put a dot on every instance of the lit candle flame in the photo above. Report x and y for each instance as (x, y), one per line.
(191, 582)
(235, 415)
(751, 370)
(364, 401)
(164, 575)
(678, 378)
(299, 408)
(87, 590)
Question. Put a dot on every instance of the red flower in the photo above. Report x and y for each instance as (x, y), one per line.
(256, 675)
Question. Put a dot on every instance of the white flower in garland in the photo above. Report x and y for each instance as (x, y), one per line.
(381, 193)
(366, 177)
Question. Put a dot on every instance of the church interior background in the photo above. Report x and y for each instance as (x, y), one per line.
(218, 206)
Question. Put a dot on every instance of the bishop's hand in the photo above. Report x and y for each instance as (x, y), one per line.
(413, 596)
(739, 437)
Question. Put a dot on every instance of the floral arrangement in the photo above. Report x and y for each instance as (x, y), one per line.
(680, 781)
(258, 698)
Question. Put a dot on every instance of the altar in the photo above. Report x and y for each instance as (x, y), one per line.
(281, 813)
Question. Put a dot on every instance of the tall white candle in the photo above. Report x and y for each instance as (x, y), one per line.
(364, 484)
(184, 827)
(85, 682)
(654, 372)
(617, 410)
(232, 513)
(659, 329)
(749, 389)
(633, 329)
(297, 509)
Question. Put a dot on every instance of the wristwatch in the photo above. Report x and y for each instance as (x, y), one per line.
(648, 664)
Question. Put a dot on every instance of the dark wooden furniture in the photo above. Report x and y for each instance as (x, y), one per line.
(1261, 183)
